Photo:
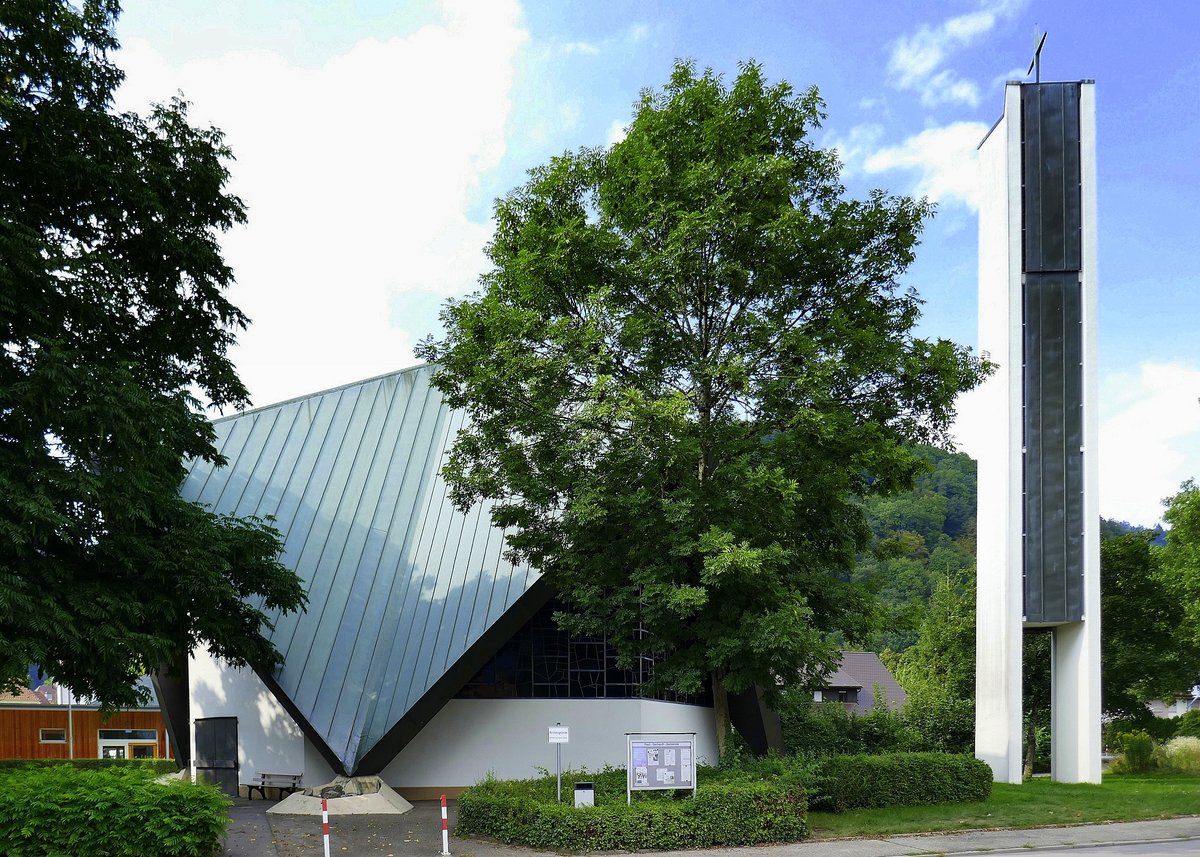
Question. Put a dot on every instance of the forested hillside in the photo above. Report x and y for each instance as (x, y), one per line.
(922, 537)
(922, 565)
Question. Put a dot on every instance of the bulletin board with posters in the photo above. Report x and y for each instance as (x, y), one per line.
(660, 760)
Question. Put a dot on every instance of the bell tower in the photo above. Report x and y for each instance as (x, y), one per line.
(1038, 519)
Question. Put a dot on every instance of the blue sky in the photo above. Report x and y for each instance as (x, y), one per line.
(372, 137)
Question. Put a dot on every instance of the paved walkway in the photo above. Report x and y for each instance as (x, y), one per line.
(252, 833)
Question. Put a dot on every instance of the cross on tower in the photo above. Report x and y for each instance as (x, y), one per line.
(1035, 64)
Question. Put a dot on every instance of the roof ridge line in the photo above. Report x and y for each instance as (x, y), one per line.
(316, 393)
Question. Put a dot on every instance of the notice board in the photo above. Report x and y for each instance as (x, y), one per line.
(660, 760)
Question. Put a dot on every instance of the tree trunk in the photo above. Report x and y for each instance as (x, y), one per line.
(1030, 748)
(720, 712)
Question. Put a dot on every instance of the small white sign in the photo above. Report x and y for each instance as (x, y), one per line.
(559, 735)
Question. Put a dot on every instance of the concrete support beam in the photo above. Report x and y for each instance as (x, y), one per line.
(999, 590)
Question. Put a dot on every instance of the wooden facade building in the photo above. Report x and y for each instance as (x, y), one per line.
(41, 731)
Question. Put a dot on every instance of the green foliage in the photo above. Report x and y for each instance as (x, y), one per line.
(1180, 755)
(119, 812)
(155, 766)
(1144, 654)
(112, 319)
(938, 672)
(1137, 753)
(690, 356)
(814, 729)
(1180, 560)
(1159, 728)
(899, 779)
(1187, 723)
(727, 810)
(921, 537)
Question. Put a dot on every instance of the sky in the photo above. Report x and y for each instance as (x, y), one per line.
(372, 137)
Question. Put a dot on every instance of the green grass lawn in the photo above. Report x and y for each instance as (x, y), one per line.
(1034, 804)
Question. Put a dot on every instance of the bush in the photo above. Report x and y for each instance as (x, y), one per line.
(943, 722)
(827, 728)
(1181, 755)
(899, 779)
(1187, 724)
(730, 808)
(118, 812)
(1159, 728)
(1137, 753)
(158, 766)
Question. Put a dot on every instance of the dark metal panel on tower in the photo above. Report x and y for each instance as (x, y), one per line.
(1050, 176)
(1052, 354)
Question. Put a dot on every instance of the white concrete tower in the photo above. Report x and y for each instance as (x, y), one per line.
(1038, 518)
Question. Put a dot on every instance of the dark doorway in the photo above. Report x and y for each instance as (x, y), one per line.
(217, 752)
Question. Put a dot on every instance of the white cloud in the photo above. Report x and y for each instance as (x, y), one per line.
(358, 175)
(617, 131)
(586, 48)
(917, 59)
(1149, 437)
(946, 87)
(944, 159)
(854, 148)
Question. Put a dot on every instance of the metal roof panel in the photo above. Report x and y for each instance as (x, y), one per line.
(400, 583)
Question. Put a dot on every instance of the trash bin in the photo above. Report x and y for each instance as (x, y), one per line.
(585, 794)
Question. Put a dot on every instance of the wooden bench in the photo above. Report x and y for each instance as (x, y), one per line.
(284, 782)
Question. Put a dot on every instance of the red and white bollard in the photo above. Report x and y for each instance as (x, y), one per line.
(325, 824)
(445, 830)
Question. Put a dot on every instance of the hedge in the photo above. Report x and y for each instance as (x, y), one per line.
(899, 779)
(119, 812)
(157, 766)
(734, 812)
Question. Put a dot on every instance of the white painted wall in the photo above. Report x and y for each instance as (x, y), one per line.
(1075, 665)
(463, 742)
(508, 737)
(1000, 599)
(268, 738)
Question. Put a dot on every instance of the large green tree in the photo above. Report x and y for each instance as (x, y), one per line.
(691, 353)
(1146, 648)
(113, 333)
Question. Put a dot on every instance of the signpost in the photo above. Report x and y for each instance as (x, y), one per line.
(659, 760)
(559, 735)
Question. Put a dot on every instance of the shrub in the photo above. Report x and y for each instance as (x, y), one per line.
(899, 779)
(1181, 755)
(943, 722)
(730, 808)
(1137, 753)
(118, 812)
(1187, 724)
(1159, 728)
(815, 728)
(158, 766)
(827, 728)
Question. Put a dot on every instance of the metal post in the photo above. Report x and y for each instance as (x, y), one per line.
(628, 769)
(71, 723)
(325, 824)
(558, 753)
(445, 830)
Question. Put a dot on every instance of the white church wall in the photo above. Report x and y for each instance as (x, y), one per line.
(470, 738)
(269, 740)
